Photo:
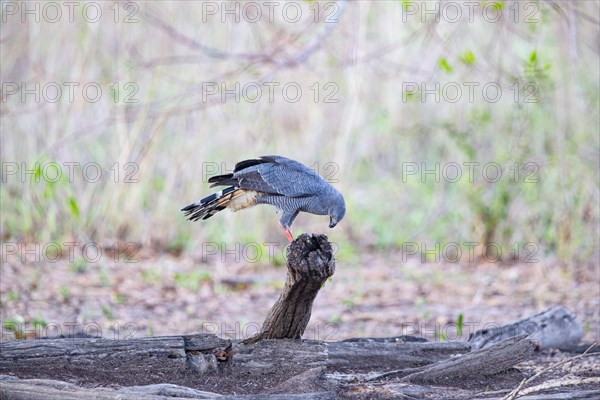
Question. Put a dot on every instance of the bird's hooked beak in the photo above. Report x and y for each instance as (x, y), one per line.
(332, 223)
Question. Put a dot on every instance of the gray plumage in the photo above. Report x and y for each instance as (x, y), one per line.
(287, 184)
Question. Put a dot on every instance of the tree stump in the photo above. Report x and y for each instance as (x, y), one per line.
(309, 263)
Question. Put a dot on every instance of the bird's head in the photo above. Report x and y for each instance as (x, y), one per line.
(337, 211)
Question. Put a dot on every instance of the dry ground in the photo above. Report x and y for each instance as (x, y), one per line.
(376, 295)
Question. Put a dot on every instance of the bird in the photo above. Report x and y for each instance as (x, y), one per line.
(287, 184)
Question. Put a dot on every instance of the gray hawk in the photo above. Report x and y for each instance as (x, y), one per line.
(287, 184)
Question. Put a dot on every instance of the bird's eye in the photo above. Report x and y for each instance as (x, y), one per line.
(334, 216)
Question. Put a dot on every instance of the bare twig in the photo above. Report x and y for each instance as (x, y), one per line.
(519, 391)
(194, 44)
(211, 52)
(559, 383)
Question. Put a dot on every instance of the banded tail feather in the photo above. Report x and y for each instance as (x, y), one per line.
(210, 205)
(231, 197)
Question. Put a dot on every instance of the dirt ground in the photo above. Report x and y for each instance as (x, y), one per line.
(376, 295)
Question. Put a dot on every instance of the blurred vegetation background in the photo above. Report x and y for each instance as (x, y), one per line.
(378, 99)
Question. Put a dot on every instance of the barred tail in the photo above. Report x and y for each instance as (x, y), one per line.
(209, 206)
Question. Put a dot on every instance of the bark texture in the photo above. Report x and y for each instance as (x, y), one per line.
(309, 263)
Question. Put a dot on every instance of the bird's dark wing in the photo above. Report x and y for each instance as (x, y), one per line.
(275, 175)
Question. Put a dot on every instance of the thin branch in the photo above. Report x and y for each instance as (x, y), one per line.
(196, 45)
(316, 43)
(294, 60)
(559, 383)
(516, 393)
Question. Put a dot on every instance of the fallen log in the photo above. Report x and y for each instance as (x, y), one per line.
(555, 327)
(37, 389)
(173, 353)
(369, 356)
(461, 365)
(34, 389)
(268, 366)
(477, 364)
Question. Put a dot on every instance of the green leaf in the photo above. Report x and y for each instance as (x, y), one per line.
(108, 312)
(38, 173)
(533, 56)
(445, 65)
(159, 184)
(459, 325)
(120, 298)
(74, 207)
(468, 57)
(49, 190)
(499, 5)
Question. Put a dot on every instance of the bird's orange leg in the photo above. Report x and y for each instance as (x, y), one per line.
(288, 233)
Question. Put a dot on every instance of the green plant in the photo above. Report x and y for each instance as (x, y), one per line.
(108, 312)
(193, 279)
(79, 266)
(65, 293)
(13, 295)
(39, 323)
(16, 325)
